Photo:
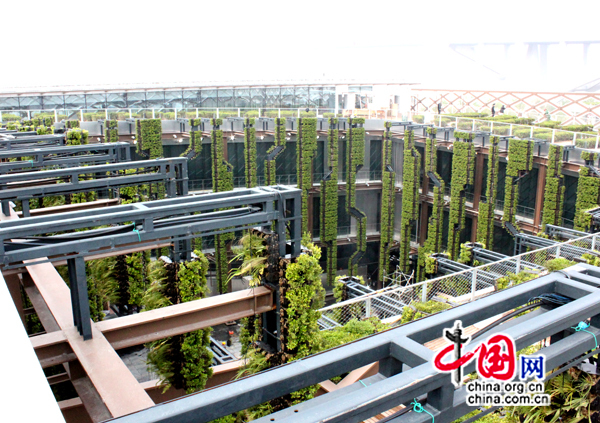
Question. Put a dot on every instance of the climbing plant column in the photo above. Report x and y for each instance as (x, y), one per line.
(388, 200)
(250, 153)
(588, 188)
(329, 202)
(485, 222)
(554, 190)
(306, 146)
(111, 132)
(433, 243)
(195, 146)
(410, 196)
(275, 151)
(462, 175)
(222, 181)
(355, 159)
(520, 161)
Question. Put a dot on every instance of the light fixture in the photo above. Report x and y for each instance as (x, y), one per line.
(133, 137)
(233, 137)
(98, 139)
(368, 133)
(175, 136)
(135, 141)
(262, 137)
(180, 139)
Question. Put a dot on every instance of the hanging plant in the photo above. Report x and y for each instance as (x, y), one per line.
(250, 153)
(520, 159)
(485, 221)
(410, 196)
(588, 187)
(111, 131)
(355, 158)
(181, 361)
(149, 138)
(554, 191)
(77, 137)
(462, 175)
(306, 146)
(329, 202)
(433, 243)
(275, 151)
(388, 200)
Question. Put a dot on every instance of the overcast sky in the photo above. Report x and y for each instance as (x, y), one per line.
(118, 42)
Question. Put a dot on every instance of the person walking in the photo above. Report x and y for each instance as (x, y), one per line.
(440, 108)
(502, 109)
(547, 114)
(493, 109)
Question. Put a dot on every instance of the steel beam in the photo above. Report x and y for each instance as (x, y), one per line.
(63, 156)
(35, 141)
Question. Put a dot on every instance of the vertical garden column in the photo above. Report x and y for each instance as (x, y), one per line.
(485, 221)
(588, 188)
(329, 202)
(462, 175)
(520, 161)
(410, 196)
(195, 146)
(555, 189)
(274, 152)
(250, 153)
(222, 181)
(433, 243)
(388, 200)
(149, 144)
(355, 158)
(111, 132)
(306, 146)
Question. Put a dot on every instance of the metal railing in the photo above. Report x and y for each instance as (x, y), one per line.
(457, 288)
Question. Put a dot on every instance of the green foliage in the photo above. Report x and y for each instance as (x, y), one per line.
(329, 203)
(511, 279)
(133, 193)
(591, 259)
(111, 131)
(388, 201)
(351, 331)
(468, 136)
(462, 175)
(520, 159)
(485, 221)
(251, 250)
(410, 196)
(270, 165)
(77, 137)
(71, 124)
(466, 254)
(250, 153)
(338, 287)
(149, 138)
(554, 190)
(182, 361)
(355, 159)
(45, 130)
(102, 287)
(558, 264)
(306, 146)
(588, 188)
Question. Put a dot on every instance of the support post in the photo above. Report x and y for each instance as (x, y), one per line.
(424, 292)
(368, 307)
(79, 296)
(518, 265)
(473, 284)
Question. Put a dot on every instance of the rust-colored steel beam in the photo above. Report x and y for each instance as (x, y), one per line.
(53, 348)
(72, 207)
(539, 195)
(152, 325)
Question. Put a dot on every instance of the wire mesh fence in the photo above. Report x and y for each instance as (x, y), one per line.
(456, 288)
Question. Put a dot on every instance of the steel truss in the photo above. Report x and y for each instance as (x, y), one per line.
(554, 231)
(405, 369)
(384, 303)
(65, 156)
(25, 186)
(486, 256)
(35, 141)
(523, 241)
(447, 266)
(175, 220)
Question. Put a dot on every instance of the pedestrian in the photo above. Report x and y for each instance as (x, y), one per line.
(493, 109)
(502, 109)
(547, 114)
(440, 108)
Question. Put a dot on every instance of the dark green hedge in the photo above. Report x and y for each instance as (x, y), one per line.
(149, 138)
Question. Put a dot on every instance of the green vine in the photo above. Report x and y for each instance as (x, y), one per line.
(250, 153)
(355, 159)
(181, 361)
(520, 160)
(111, 131)
(149, 138)
(485, 221)
(588, 188)
(71, 124)
(554, 190)
(388, 200)
(306, 146)
(277, 149)
(410, 196)
(329, 202)
(222, 181)
(462, 175)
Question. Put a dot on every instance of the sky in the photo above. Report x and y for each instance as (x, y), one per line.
(85, 43)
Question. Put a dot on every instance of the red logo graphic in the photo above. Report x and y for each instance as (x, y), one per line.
(496, 358)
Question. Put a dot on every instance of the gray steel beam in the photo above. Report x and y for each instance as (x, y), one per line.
(18, 186)
(63, 156)
(36, 141)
